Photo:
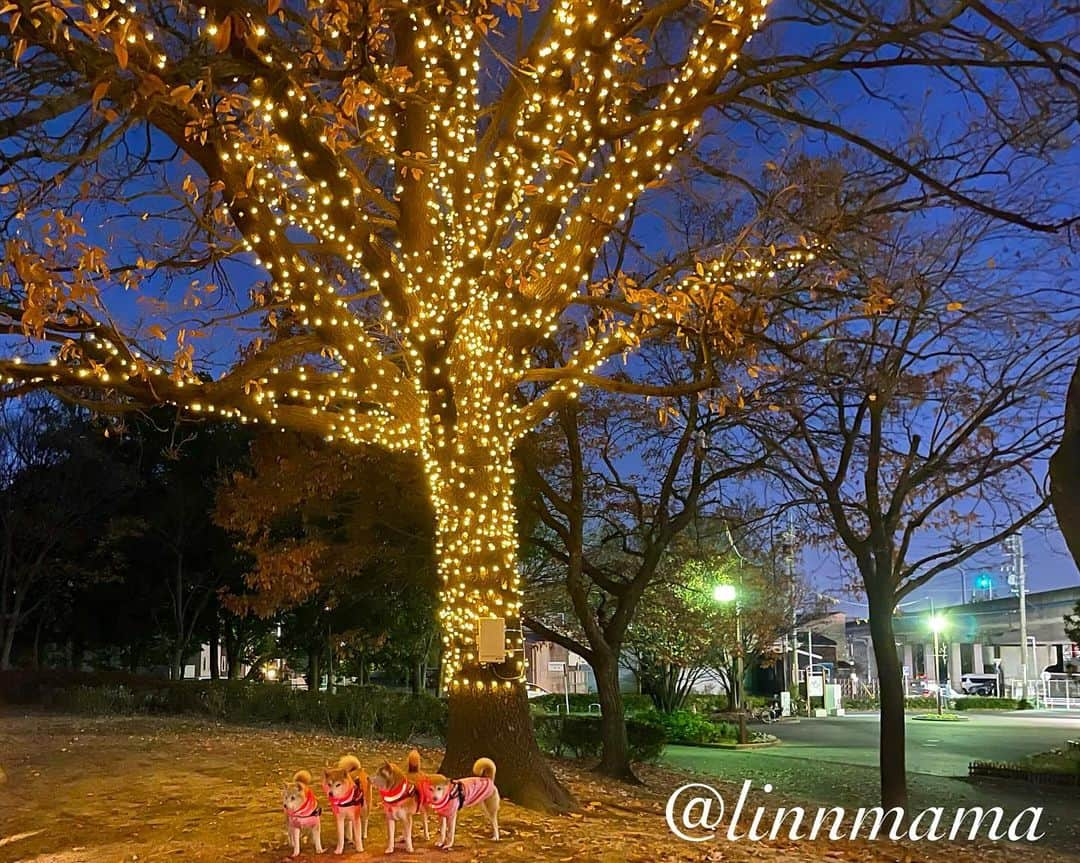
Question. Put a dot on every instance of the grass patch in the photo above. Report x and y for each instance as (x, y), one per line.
(1065, 761)
(940, 717)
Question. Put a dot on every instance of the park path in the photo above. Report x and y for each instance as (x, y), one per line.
(141, 790)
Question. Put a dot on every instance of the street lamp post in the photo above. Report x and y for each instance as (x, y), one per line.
(937, 626)
(726, 593)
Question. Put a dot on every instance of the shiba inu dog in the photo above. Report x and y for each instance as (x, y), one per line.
(450, 796)
(301, 811)
(348, 789)
(404, 793)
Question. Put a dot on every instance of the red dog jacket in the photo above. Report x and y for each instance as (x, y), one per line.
(307, 815)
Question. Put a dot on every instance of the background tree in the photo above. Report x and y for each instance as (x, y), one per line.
(682, 637)
(57, 486)
(914, 421)
(614, 485)
(424, 191)
(170, 536)
(1072, 625)
(341, 541)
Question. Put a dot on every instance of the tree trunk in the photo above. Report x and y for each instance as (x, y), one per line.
(215, 646)
(135, 653)
(472, 484)
(5, 651)
(178, 662)
(615, 757)
(232, 650)
(892, 756)
(1065, 471)
(496, 723)
(313, 670)
(11, 624)
(36, 659)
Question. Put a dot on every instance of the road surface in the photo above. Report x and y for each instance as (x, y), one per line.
(941, 750)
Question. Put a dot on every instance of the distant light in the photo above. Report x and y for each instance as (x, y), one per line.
(938, 623)
(724, 593)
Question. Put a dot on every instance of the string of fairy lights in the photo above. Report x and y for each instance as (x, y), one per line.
(492, 229)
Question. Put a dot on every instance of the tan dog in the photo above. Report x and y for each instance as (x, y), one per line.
(450, 796)
(301, 812)
(404, 795)
(348, 789)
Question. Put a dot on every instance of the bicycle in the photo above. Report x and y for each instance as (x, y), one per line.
(768, 715)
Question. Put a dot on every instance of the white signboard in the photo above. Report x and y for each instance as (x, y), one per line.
(815, 686)
(556, 666)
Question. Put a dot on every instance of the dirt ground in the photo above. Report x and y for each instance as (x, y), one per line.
(91, 790)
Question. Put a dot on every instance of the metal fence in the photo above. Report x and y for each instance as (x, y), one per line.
(1058, 693)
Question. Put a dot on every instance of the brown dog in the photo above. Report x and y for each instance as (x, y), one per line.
(348, 789)
(404, 793)
(301, 811)
(450, 796)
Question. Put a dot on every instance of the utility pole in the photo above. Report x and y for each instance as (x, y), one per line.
(1017, 575)
(789, 561)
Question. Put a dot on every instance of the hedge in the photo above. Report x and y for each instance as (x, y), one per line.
(579, 736)
(368, 711)
(975, 702)
(581, 702)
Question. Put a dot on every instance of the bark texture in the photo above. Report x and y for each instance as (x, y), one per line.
(1065, 471)
(498, 726)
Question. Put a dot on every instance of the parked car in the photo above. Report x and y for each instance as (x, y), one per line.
(979, 684)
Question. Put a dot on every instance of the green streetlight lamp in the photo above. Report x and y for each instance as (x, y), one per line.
(725, 593)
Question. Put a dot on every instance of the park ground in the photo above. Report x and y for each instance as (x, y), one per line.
(139, 789)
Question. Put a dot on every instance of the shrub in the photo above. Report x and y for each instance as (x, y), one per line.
(682, 726)
(973, 702)
(579, 736)
(368, 711)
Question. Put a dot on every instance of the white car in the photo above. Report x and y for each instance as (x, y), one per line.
(979, 684)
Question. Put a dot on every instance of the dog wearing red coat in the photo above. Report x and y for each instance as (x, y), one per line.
(348, 789)
(405, 794)
(301, 812)
(450, 796)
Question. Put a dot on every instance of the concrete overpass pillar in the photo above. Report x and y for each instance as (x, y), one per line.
(955, 666)
(977, 659)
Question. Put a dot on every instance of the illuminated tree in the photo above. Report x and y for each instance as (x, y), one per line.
(413, 198)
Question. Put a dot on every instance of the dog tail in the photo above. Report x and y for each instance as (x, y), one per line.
(484, 767)
(413, 763)
(349, 763)
(302, 776)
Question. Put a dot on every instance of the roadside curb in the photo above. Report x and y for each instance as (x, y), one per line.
(765, 744)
